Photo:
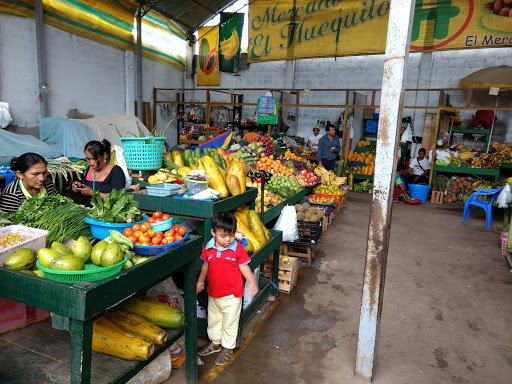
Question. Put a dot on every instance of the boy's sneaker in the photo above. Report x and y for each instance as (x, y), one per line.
(209, 349)
(224, 356)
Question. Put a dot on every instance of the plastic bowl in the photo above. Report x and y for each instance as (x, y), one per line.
(412, 201)
(162, 226)
(99, 229)
(157, 249)
(196, 186)
(465, 156)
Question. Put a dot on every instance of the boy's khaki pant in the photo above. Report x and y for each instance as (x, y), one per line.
(223, 318)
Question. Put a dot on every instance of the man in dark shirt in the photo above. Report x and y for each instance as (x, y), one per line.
(328, 148)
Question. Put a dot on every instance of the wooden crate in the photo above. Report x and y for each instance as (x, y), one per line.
(298, 250)
(437, 197)
(292, 267)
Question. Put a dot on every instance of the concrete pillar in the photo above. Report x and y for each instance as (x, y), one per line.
(129, 83)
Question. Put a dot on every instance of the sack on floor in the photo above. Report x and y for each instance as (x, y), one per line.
(287, 223)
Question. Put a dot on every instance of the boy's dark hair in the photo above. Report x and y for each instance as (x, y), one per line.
(400, 167)
(225, 221)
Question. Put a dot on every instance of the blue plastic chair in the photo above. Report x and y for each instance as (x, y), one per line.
(487, 206)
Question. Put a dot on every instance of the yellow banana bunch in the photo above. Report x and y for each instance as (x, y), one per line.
(319, 171)
(229, 47)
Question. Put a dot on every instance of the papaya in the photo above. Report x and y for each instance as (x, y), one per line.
(250, 248)
(255, 226)
(137, 325)
(236, 169)
(220, 151)
(177, 158)
(184, 172)
(204, 48)
(233, 184)
(210, 62)
(155, 311)
(106, 339)
(242, 216)
(245, 230)
(216, 180)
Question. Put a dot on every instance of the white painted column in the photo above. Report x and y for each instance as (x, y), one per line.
(129, 83)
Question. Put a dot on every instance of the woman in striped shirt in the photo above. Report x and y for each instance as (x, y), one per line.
(31, 180)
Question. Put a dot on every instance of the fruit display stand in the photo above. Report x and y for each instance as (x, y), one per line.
(78, 305)
(275, 211)
(266, 286)
(195, 209)
(495, 173)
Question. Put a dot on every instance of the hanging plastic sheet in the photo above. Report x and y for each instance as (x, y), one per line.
(68, 136)
(16, 145)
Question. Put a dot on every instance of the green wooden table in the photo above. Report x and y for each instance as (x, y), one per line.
(78, 305)
(196, 209)
(467, 170)
(275, 211)
(360, 176)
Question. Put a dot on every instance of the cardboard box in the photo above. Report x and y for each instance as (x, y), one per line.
(15, 315)
(368, 113)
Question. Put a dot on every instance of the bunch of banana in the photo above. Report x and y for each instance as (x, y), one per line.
(340, 181)
(229, 47)
(319, 171)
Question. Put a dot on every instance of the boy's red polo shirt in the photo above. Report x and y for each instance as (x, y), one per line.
(224, 276)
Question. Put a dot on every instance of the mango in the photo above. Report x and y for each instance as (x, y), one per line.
(61, 248)
(46, 256)
(112, 255)
(82, 248)
(38, 272)
(24, 258)
(67, 263)
(97, 251)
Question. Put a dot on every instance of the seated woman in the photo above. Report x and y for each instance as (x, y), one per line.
(100, 176)
(31, 180)
(399, 183)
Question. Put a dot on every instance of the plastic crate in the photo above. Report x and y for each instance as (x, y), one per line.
(336, 197)
(309, 232)
(163, 189)
(143, 153)
(91, 273)
(504, 240)
(36, 242)
(328, 209)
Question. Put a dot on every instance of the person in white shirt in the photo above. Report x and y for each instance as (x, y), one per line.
(313, 139)
(420, 168)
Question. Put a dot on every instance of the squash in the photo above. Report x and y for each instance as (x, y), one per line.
(106, 339)
(153, 310)
(197, 153)
(255, 227)
(216, 180)
(233, 184)
(189, 158)
(137, 325)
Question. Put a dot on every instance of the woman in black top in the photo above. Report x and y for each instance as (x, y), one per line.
(101, 175)
(31, 180)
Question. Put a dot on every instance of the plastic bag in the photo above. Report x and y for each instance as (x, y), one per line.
(247, 291)
(287, 223)
(122, 163)
(505, 197)
(5, 116)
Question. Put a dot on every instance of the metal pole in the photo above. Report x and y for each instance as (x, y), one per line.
(395, 62)
(41, 59)
(139, 64)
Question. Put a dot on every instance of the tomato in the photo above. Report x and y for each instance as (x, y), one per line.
(157, 214)
(161, 234)
(165, 241)
(158, 219)
(175, 228)
(151, 220)
(178, 238)
(165, 216)
(144, 238)
(169, 232)
(181, 231)
(133, 238)
(127, 232)
(170, 239)
(145, 244)
(137, 234)
(145, 227)
(156, 240)
(138, 243)
(135, 227)
(151, 233)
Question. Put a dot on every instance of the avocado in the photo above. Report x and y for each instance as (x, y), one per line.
(68, 263)
(97, 251)
(24, 258)
(61, 248)
(46, 256)
(112, 255)
(82, 248)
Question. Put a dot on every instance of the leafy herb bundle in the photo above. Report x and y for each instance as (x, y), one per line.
(31, 211)
(117, 207)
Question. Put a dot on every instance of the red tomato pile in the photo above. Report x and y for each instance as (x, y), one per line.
(142, 234)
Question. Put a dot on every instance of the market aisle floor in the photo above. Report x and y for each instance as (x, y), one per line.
(447, 310)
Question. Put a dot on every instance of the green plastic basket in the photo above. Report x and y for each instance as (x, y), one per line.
(91, 273)
(143, 153)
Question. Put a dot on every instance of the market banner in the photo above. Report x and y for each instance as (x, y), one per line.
(230, 34)
(208, 57)
(296, 29)
(111, 22)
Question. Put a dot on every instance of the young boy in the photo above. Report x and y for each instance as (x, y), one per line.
(225, 262)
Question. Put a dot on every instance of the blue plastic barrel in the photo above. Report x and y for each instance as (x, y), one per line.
(419, 191)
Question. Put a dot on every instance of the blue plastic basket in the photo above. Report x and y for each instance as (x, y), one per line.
(99, 229)
(143, 153)
(419, 191)
(162, 226)
(157, 249)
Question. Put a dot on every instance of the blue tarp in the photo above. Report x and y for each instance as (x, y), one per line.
(67, 136)
(16, 145)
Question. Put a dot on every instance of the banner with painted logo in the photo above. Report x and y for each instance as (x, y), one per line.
(230, 34)
(208, 58)
(295, 29)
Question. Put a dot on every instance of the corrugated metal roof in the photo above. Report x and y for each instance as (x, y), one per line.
(190, 14)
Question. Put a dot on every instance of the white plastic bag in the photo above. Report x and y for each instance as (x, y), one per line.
(5, 116)
(247, 291)
(287, 223)
(122, 163)
(505, 197)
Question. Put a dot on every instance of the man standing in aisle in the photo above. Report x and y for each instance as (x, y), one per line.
(328, 148)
